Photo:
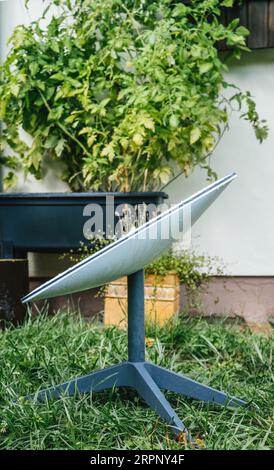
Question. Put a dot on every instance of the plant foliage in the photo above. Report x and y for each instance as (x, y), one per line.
(120, 91)
(194, 270)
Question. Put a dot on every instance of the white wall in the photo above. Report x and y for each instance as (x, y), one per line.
(239, 227)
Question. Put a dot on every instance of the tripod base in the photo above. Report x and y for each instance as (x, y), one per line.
(147, 379)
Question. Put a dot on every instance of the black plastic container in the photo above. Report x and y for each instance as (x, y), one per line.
(53, 222)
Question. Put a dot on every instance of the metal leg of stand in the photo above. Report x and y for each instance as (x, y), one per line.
(150, 392)
(136, 317)
(115, 376)
(173, 382)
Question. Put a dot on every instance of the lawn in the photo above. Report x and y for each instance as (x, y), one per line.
(49, 350)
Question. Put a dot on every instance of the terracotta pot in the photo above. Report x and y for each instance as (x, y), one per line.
(162, 300)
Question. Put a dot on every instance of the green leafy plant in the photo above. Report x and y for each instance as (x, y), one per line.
(194, 270)
(96, 244)
(120, 91)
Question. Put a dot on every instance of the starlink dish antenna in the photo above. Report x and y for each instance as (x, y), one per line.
(127, 257)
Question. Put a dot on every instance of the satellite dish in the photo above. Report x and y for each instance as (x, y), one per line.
(131, 252)
(127, 257)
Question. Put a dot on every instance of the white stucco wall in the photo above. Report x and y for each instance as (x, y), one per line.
(239, 227)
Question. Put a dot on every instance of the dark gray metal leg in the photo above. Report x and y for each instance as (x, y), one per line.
(180, 384)
(136, 317)
(150, 392)
(95, 381)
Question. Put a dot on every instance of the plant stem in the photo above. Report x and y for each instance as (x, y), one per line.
(64, 129)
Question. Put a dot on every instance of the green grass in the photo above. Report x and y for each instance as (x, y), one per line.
(45, 351)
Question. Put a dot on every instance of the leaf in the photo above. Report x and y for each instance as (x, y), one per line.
(34, 67)
(124, 142)
(85, 130)
(234, 23)
(148, 123)
(205, 67)
(108, 151)
(195, 135)
(56, 113)
(163, 174)
(243, 31)
(55, 47)
(14, 88)
(18, 37)
(91, 140)
(60, 147)
(35, 157)
(72, 118)
(179, 10)
(152, 38)
(57, 76)
(197, 51)
(173, 121)
(50, 92)
(10, 180)
(235, 40)
(138, 139)
(227, 3)
(104, 102)
(51, 141)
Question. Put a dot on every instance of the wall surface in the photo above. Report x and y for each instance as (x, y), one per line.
(239, 227)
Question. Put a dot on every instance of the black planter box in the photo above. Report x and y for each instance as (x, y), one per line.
(53, 222)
